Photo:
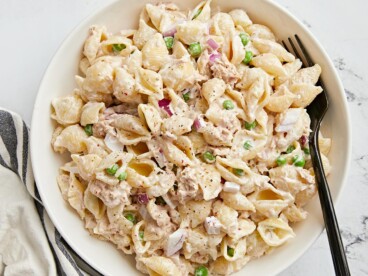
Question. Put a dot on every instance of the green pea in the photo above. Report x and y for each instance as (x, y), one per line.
(209, 157)
(238, 172)
(201, 271)
(244, 38)
(197, 14)
(230, 251)
(112, 170)
(227, 104)
(186, 97)
(306, 151)
(169, 41)
(290, 149)
(248, 57)
(141, 235)
(118, 47)
(88, 130)
(298, 161)
(130, 217)
(195, 49)
(249, 126)
(281, 160)
(123, 176)
(247, 145)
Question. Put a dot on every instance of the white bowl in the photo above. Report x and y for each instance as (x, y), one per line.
(59, 80)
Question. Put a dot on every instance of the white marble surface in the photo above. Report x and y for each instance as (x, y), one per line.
(31, 32)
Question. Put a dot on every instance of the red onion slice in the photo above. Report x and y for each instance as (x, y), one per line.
(170, 32)
(168, 201)
(142, 198)
(231, 187)
(214, 56)
(199, 123)
(165, 104)
(304, 140)
(289, 119)
(71, 169)
(113, 143)
(175, 241)
(213, 225)
(213, 44)
(168, 110)
(144, 213)
(109, 111)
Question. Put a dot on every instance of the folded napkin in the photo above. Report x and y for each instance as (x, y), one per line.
(29, 242)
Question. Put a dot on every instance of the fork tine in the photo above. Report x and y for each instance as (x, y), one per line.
(304, 51)
(296, 52)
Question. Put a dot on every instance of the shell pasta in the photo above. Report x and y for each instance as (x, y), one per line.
(188, 140)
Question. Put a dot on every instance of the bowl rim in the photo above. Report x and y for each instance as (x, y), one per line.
(103, 8)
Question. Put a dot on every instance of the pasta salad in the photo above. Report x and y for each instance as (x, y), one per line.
(188, 140)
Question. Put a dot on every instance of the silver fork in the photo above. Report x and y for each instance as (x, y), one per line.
(317, 110)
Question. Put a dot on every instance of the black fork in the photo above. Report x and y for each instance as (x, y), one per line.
(317, 110)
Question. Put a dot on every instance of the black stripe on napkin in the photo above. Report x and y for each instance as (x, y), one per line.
(25, 153)
(40, 211)
(81, 263)
(9, 135)
(2, 163)
(60, 243)
(36, 193)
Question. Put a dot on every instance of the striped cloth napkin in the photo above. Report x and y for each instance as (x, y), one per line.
(29, 242)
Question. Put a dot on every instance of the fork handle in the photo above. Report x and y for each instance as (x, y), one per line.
(332, 227)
